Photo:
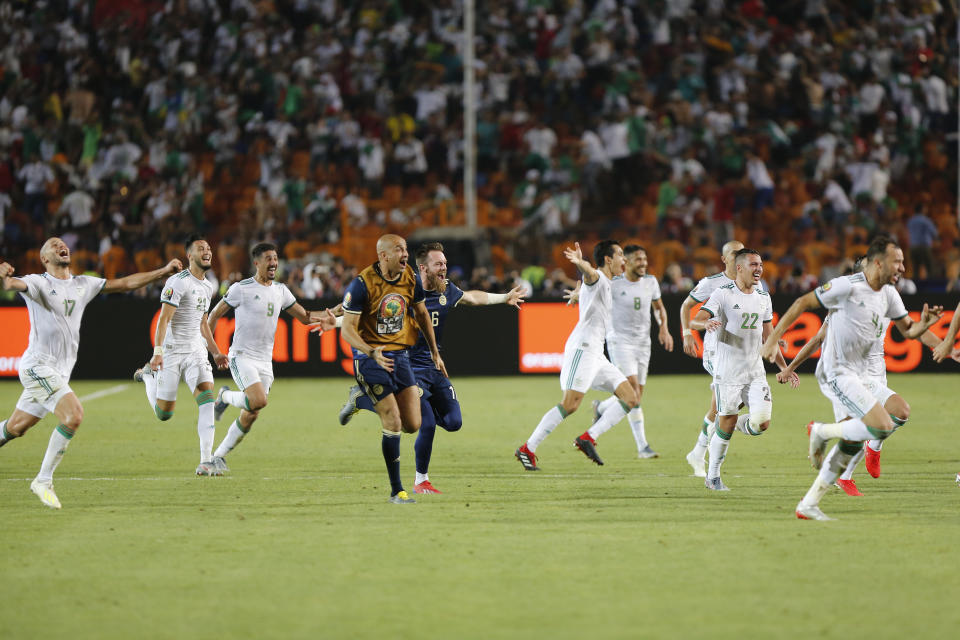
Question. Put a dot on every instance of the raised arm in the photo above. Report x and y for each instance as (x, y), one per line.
(426, 328)
(575, 255)
(7, 280)
(142, 279)
(771, 348)
(660, 311)
(475, 297)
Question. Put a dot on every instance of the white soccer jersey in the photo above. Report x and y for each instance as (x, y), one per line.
(701, 293)
(631, 309)
(191, 296)
(739, 338)
(591, 329)
(857, 325)
(56, 308)
(876, 359)
(256, 309)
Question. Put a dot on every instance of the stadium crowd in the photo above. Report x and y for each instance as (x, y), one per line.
(799, 127)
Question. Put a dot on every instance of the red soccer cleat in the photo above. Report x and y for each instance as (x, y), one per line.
(527, 458)
(849, 487)
(425, 487)
(872, 462)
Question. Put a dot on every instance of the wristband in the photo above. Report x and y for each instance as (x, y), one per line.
(496, 298)
(686, 332)
(158, 350)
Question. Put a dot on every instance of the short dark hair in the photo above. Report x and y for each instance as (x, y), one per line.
(604, 249)
(878, 246)
(424, 250)
(632, 248)
(193, 237)
(261, 248)
(744, 252)
(859, 263)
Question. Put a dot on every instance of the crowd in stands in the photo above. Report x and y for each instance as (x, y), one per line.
(800, 127)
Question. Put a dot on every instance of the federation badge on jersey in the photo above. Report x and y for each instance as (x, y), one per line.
(826, 287)
(168, 293)
(390, 314)
(346, 299)
(443, 300)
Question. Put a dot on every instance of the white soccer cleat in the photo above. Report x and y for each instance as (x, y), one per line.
(805, 512)
(220, 464)
(698, 465)
(817, 444)
(715, 484)
(44, 491)
(958, 479)
(208, 469)
(647, 452)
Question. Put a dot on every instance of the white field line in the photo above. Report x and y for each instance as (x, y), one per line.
(109, 391)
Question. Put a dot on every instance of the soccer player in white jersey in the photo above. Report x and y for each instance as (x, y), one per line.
(859, 303)
(183, 340)
(875, 380)
(584, 365)
(741, 314)
(56, 301)
(697, 456)
(628, 338)
(257, 303)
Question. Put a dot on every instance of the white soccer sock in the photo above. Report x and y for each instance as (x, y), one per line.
(816, 492)
(235, 399)
(854, 430)
(421, 477)
(744, 426)
(548, 423)
(703, 438)
(606, 404)
(876, 445)
(610, 417)
(205, 430)
(852, 465)
(150, 384)
(3, 432)
(636, 425)
(718, 451)
(231, 440)
(59, 440)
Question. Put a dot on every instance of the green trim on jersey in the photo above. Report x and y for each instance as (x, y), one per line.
(175, 306)
(183, 274)
(247, 281)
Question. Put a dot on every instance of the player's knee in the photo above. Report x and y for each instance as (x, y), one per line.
(409, 427)
(257, 403)
(452, 422)
(760, 418)
(73, 419)
(901, 410)
(162, 414)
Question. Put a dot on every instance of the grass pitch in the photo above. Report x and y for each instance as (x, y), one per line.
(299, 540)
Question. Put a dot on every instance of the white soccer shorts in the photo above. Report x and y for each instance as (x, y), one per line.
(247, 371)
(877, 387)
(194, 368)
(583, 370)
(730, 397)
(850, 393)
(43, 388)
(631, 359)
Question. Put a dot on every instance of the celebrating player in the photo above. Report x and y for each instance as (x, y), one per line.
(183, 339)
(741, 313)
(859, 303)
(56, 301)
(377, 325)
(697, 457)
(584, 365)
(628, 340)
(257, 303)
(438, 404)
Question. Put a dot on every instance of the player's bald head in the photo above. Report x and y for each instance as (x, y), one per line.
(389, 241)
(55, 251)
(730, 249)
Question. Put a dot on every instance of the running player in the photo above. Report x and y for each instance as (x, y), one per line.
(56, 301)
(584, 365)
(741, 313)
(859, 303)
(438, 403)
(378, 327)
(257, 303)
(697, 456)
(628, 341)
(183, 339)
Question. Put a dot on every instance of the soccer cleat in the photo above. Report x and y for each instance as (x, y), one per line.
(44, 491)
(817, 445)
(647, 452)
(401, 497)
(715, 484)
(208, 469)
(698, 465)
(349, 408)
(425, 487)
(220, 464)
(139, 373)
(958, 479)
(220, 406)
(805, 512)
(872, 462)
(849, 487)
(596, 410)
(587, 444)
(527, 458)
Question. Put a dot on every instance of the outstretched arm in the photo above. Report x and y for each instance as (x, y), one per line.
(771, 347)
(944, 348)
(142, 279)
(914, 330)
(474, 297)
(575, 255)
(7, 280)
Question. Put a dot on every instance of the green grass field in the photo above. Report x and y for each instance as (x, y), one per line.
(299, 540)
